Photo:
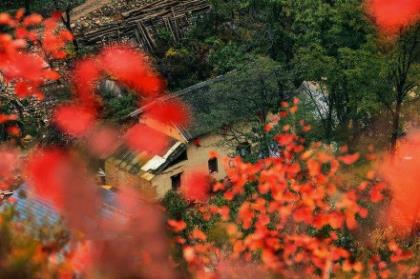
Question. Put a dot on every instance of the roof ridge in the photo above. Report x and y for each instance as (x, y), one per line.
(176, 94)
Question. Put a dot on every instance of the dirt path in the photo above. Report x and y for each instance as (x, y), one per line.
(88, 7)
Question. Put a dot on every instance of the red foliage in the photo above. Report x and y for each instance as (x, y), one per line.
(393, 15)
(142, 138)
(270, 205)
(172, 112)
(103, 141)
(131, 68)
(135, 241)
(60, 178)
(33, 19)
(55, 38)
(14, 131)
(74, 119)
(9, 167)
(376, 194)
(85, 76)
(22, 66)
(177, 226)
(196, 186)
(349, 159)
(401, 172)
(7, 117)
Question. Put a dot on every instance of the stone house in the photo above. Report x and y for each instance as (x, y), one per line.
(223, 110)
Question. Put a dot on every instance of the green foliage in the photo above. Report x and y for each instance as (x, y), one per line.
(175, 205)
(117, 105)
(226, 57)
(331, 43)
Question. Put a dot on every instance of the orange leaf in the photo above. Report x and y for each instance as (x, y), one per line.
(198, 234)
(349, 159)
(177, 226)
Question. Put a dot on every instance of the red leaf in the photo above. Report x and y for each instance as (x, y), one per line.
(13, 131)
(198, 234)
(24, 66)
(56, 15)
(351, 221)
(103, 141)
(32, 19)
(218, 186)
(74, 119)
(376, 193)
(5, 19)
(401, 173)
(9, 165)
(393, 15)
(177, 226)
(314, 167)
(246, 216)
(23, 89)
(349, 159)
(189, 254)
(85, 76)
(20, 13)
(61, 179)
(196, 186)
(172, 112)
(285, 139)
(50, 74)
(142, 138)
(130, 67)
(7, 117)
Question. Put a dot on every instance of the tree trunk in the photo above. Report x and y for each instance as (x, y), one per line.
(395, 127)
(355, 135)
(67, 22)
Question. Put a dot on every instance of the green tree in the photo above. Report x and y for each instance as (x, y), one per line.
(335, 47)
(403, 74)
(251, 93)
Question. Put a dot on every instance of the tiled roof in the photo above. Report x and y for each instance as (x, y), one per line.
(232, 97)
(236, 96)
(42, 212)
(141, 164)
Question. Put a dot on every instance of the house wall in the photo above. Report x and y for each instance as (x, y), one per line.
(198, 157)
(116, 177)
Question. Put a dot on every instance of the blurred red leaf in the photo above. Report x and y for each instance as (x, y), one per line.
(103, 141)
(349, 159)
(401, 172)
(198, 235)
(7, 117)
(393, 15)
(285, 139)
(14, 131)
(196, 186)
(74, 119)
(177, 226)
(9, 166)
(376, 193)
(130, 67)
(85, 76)
(32, 19)
(172, 112)
(142, 138)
